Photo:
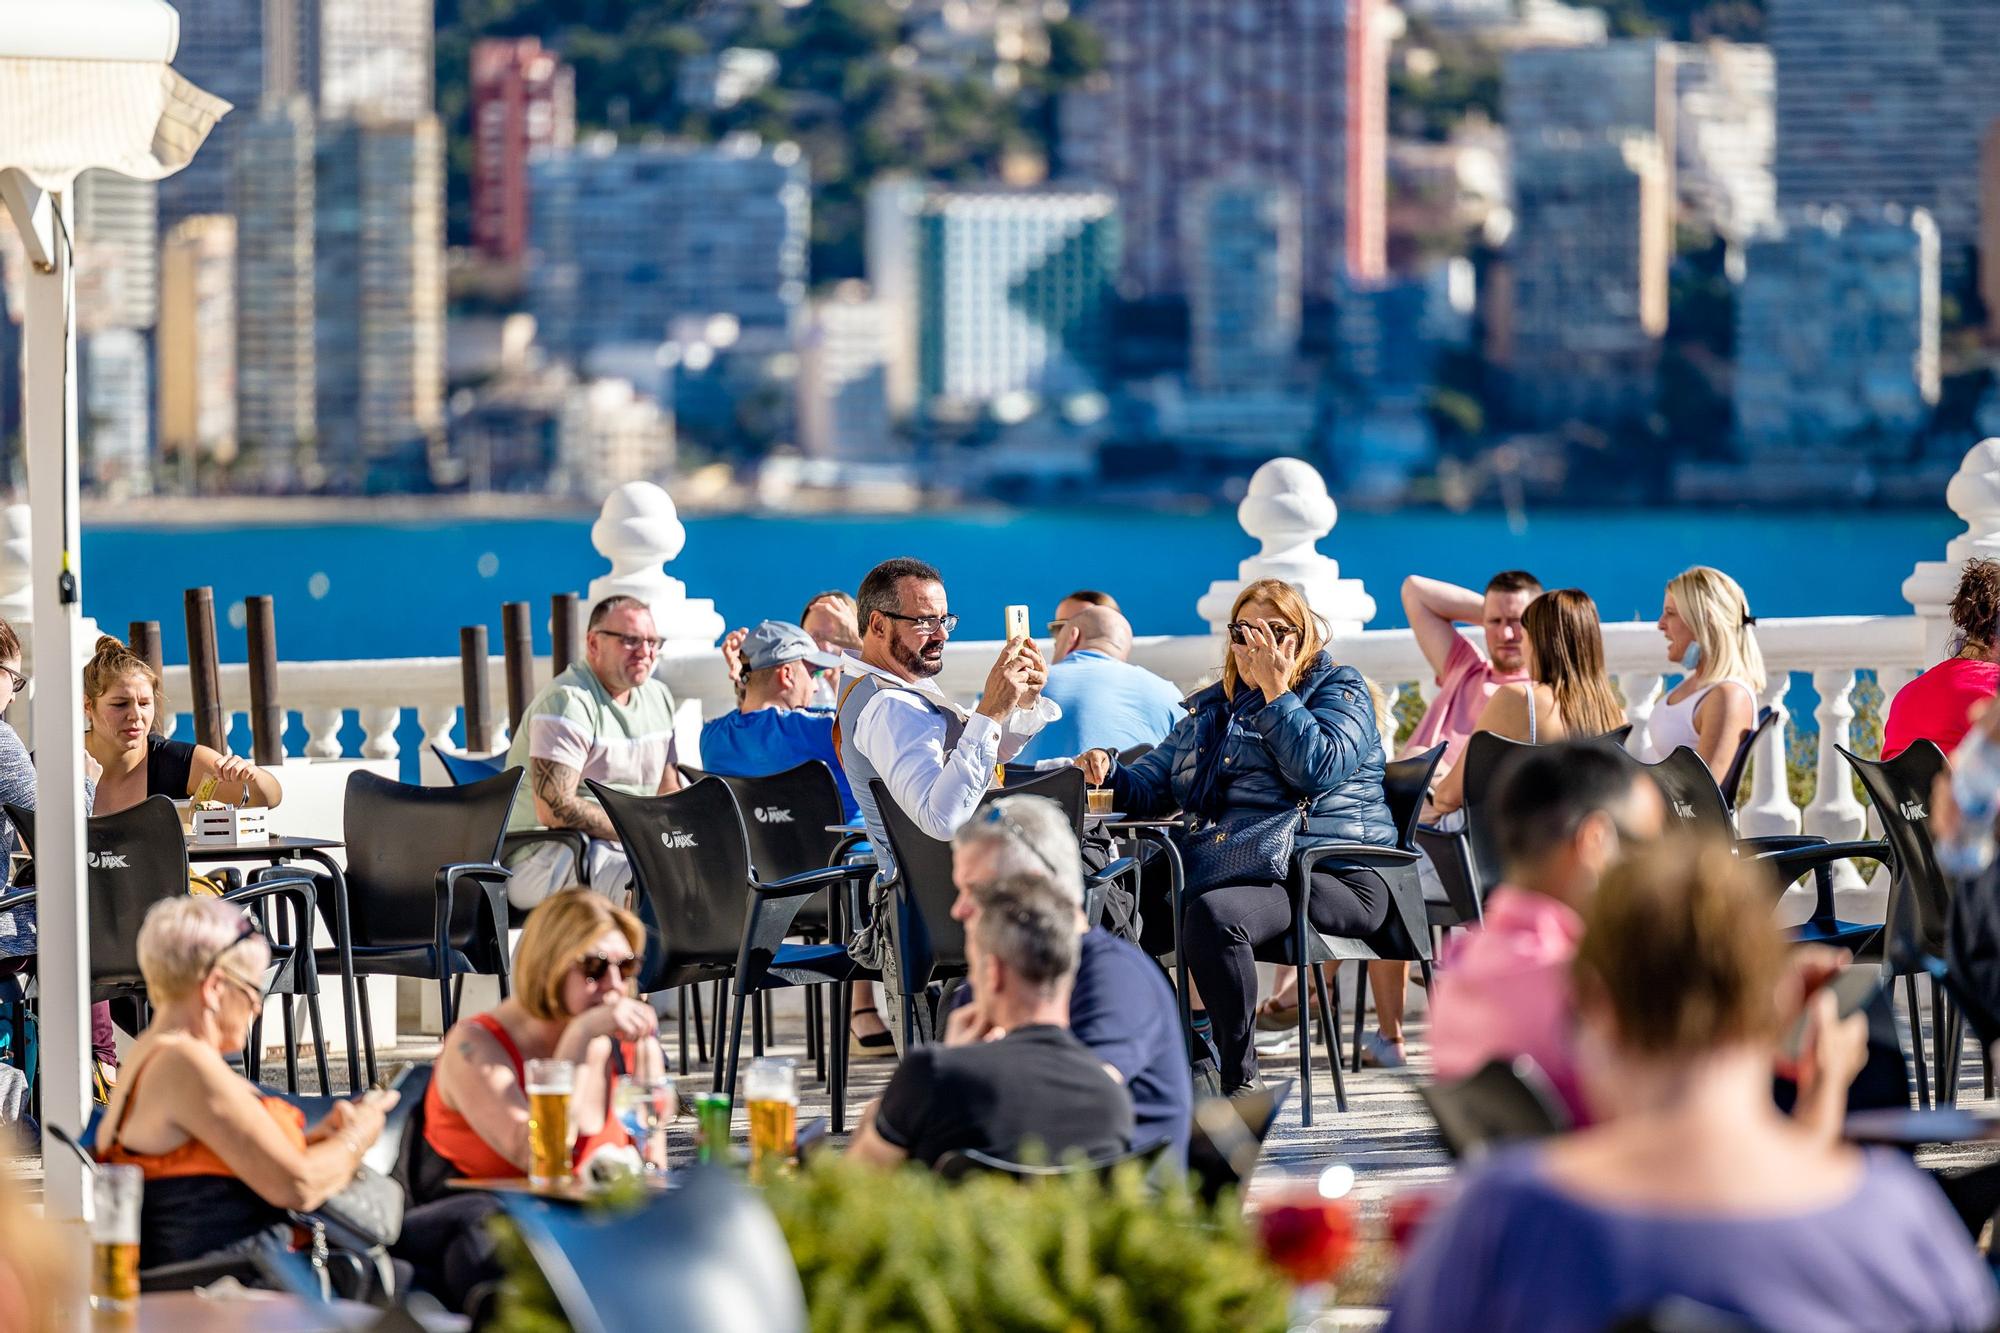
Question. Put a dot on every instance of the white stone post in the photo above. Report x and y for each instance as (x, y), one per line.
(1288, 510)
(1770, 811)
(1642, 695)
(1974, 495)
(639, 531)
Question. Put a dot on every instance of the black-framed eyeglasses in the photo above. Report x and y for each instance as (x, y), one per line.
(16, 678)
(595, 966)
(1239, 630)
(245, 931)
(632, 643)
(943, 624)
(1056, 627)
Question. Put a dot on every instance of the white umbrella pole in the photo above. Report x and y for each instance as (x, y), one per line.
(49, 334)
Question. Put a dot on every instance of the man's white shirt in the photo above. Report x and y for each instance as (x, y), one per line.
(904, 740)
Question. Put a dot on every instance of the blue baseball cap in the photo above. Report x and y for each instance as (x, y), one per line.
(776, 642)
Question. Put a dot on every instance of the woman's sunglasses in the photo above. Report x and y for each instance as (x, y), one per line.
(594, 966)
(1239, 631)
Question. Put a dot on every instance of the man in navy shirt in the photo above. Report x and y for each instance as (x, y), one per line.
(1121, 1006)
(772, 729)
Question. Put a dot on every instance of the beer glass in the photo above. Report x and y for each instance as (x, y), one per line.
(550, 1083)
(116, 1192)
(772, 1092)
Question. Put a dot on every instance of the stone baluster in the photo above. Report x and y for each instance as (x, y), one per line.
(1642, 695)
(378, 725)
(1974, 495)
(1769, 810)
(1288, 510)
(1834, 813)
(437, 721)
(323, 731)
(639, 531)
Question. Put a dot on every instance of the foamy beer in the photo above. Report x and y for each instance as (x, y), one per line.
(116, 1192)
(550, 1082)
(771, 1091)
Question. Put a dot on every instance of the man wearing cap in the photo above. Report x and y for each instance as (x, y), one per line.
(772, 728)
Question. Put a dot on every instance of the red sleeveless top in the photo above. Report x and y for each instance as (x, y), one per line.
(454, 1139)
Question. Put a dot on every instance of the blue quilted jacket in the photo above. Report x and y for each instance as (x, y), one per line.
(1317, 743)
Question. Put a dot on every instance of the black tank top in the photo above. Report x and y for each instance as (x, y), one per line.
(168, 766)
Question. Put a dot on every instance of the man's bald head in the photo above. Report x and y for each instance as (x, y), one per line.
(1099, 629)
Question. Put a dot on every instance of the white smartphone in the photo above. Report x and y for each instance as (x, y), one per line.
(1017, 622)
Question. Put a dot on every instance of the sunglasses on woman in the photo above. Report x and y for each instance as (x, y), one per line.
(594, 966)
(1239, 631)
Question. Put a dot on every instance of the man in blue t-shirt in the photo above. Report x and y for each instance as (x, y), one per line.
(1120, 1006)
(772, 729)
(1107, 702)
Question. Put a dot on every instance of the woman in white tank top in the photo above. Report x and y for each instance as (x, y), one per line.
(1707, 623)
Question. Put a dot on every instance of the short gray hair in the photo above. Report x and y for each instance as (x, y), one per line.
(1024, 836)
(184, 937)
(1029, 929)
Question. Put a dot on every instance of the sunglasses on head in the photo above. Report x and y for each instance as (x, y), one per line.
(594, 966)
(1239, 630)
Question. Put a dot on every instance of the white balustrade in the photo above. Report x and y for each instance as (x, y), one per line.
(323, 732)
(437, 721)
(1642, 691)
(1834, 813)
(1770, 811)
(379, 725)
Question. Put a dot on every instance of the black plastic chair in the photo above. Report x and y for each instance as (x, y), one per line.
(1916, 922)
(1405, 935)
(964, 1163)
(690, 858)
(1467, 859)
(1397, 779)
(1732, 777)
(426, 893)
(930, 945)
(465, 769)
(137, 857)
(704, 1258)
(1227, 1135)
(1695, 802)
(1503, 1102)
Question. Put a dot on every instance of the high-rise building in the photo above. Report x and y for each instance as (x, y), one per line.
(891, 257)
(1243, 267)
(1883, 102)
(379, 266)
(630, 238)
(1989, 229)
(248, 52)
(843, 397)
(274, 283)
(118, 252)
(197, 342)
(1191, 89)
(372, 59)
(1725, 118)
(609, 434)
(1622, 87)
(1837, 334)
(523, 106)
(1015, 292)
(1592, 239)
(114, 403)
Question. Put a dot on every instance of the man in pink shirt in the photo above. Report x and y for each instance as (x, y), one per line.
(1563, 816)
(1466, 679)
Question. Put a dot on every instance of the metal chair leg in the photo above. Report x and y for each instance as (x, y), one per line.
(735, 1043)
(836, 1034)
(756, 1023)
(1329, 1028)
(1305, 1041)
(367, 1032)
(319, 1039)
(681, 1007)
(1360, 1012)
(700, 1026)
(1917, 1041)
(291, 1046)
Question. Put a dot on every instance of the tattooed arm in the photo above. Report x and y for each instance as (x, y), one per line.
(559, 805)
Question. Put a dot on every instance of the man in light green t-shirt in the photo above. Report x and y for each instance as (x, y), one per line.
(605, 718)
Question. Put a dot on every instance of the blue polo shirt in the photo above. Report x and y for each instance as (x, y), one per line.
(771, 740)
(1105, 702)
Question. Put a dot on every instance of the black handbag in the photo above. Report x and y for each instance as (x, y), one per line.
(1249, 847)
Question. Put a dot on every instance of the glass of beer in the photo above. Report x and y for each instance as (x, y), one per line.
(771, 1089)
(550, 1082)
(115, 1196)
(1098, 800)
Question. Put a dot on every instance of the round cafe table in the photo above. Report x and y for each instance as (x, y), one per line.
(248, 1312)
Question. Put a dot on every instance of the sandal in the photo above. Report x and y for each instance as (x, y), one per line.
(1275, 1017)
(1379, 1052)
(872, 1044)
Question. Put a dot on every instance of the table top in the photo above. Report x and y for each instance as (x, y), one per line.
(254, 1312)
(272, 848)
(571, 1191)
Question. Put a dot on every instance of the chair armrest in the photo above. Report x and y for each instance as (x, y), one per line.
(1781, 842)
(812, 881)
(300, 889)
(17, 898)
(1361, 853)
(1795, 861)
(575, 840)
(492, 881)
(1124, 865)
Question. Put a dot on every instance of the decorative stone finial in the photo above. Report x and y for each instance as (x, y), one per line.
(1288, 511)
(639, 531)
(1974, 495)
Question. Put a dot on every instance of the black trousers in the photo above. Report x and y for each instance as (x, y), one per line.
(449, 1243)
(1225, 927)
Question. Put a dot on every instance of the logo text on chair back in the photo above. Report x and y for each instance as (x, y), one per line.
(675, 840)
(1914, 810)
(106, 861)
(771, 814)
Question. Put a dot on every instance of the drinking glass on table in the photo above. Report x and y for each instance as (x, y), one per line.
(550, 1083)
(1098, 800)
(771, 1090)
(115, 1195)
(645, 1106)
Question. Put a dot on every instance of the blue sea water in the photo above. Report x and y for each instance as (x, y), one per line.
(358, 590)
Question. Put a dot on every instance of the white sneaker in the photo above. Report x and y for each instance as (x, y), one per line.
(1275, 1043)
(1382, 1053)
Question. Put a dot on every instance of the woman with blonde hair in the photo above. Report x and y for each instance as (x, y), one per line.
(1287, 738)
(121, 699)
(573, 1000)
(1567, 693)
(1707, 623)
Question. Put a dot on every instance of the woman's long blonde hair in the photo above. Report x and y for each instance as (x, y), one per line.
(1718, 614)
(1291, 608)
(1568, 647)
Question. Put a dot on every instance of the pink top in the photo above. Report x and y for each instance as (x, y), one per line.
(1466, 683)
(1934, 706)
(1503, 990)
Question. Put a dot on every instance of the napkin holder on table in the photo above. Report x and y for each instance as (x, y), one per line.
(231, 825)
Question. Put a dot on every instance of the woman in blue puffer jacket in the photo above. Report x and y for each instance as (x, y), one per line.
(1285, 729)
